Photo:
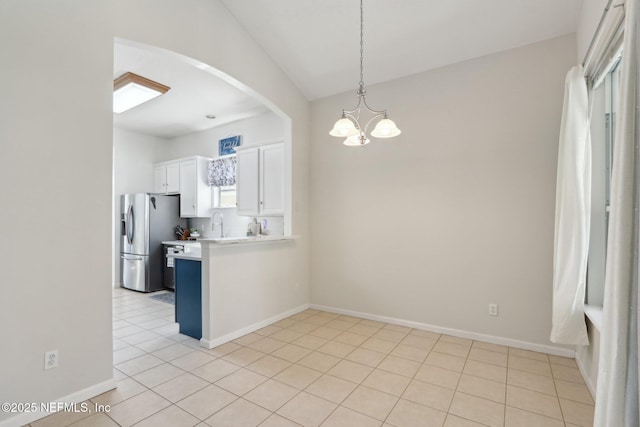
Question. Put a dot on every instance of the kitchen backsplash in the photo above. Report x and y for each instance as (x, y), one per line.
(234, 225)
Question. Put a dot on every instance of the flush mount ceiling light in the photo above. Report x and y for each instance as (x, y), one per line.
(131, 90)
(348, 126)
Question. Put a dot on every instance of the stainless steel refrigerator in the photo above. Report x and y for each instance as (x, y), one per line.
(145, 221)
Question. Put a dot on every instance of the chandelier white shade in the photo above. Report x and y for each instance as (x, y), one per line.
(356, 141)
(386, 128)
(343, 128)
(348, 125)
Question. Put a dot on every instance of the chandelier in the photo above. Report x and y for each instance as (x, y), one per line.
(348, 126)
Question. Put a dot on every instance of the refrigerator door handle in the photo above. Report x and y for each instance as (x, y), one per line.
(129, 225)
(130, 258)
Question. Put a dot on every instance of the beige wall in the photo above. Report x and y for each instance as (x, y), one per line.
(56, 166)
(248, 286)
(205, 143)
(588, 21)
(56, 161)
(455, 213)
(133, 157)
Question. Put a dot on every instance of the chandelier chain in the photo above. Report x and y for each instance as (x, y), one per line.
(349, 125)
(361, 43)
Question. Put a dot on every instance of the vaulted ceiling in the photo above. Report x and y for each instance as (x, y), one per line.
(316, 42)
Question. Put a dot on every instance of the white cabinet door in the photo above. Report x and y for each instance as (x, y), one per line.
(166, 178)
(204, 199)
(173, 178)
(188, 182)
(160, 179)
(195, 192)
(247, 182)
(272, 180)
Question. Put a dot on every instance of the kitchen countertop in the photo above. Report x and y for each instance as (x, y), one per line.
(181, 242)
(192, 248)
(247, 239)
(229, 240)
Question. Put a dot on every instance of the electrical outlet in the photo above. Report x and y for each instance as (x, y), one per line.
(51, 359)
(493, 309)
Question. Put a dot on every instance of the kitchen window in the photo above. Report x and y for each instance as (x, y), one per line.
(222, 179)
(224, 197)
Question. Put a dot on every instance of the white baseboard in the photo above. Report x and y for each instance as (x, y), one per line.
(549, 349)
(77, 397)
(251, 328)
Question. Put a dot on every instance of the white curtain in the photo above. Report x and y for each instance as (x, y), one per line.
(617, 393)
(573, 213)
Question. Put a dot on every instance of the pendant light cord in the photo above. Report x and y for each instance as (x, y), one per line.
(361, 43)
(349, 123)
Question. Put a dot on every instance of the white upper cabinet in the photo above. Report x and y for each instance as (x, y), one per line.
(272, 180)
(173, 178)
(195, 192)
(188, 182)
(167, 178)
(247, 182)
(160, 179)
(260, 180)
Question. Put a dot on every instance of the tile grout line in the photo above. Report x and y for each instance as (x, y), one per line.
(506, 388)
(291, 327)
(410, 380)
(300, 391)
(536, 391)
(557, 395)
(344, 358)
(457, 385)
(326, 373)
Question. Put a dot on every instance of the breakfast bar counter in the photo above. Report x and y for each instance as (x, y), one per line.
(233, 286)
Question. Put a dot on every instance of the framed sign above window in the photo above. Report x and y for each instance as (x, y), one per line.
(226, 146)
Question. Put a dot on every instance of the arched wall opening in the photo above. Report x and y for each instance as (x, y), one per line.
(174, 126)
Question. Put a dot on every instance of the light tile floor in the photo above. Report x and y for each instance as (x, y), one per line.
(322, 369)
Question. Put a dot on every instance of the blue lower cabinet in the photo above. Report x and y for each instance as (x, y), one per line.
(189, 297)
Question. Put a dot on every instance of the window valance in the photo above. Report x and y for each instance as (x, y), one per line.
(222, 172)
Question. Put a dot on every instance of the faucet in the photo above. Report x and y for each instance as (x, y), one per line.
(221, 223)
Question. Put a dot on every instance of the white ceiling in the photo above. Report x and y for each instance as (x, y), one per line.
(194, 93)
(316, 42)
